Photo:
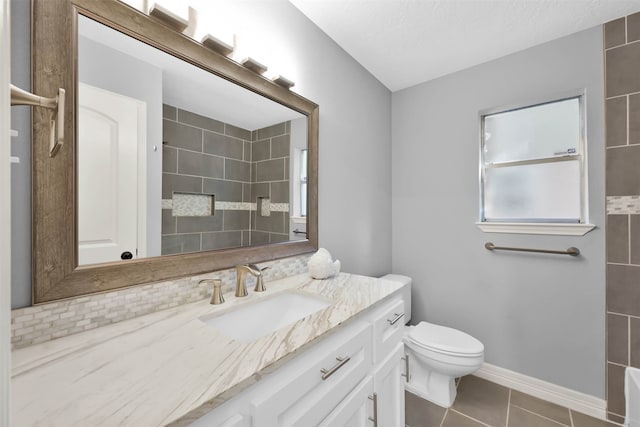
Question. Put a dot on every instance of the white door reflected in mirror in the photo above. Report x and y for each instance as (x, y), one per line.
(111, 176)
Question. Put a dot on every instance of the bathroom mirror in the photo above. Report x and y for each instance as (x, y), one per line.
(173, 159)
(177, 160)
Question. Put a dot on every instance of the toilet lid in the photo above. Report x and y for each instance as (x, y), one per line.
(441, 338)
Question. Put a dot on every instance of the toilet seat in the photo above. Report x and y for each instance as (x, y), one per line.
(443, 340)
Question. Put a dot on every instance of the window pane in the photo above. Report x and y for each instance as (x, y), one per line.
(303, 165)
(546, 191)
(303, 199)
(543, 131)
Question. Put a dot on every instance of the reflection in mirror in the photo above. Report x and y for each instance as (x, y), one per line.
(173, 159)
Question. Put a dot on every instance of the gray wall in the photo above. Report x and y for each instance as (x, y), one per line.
(137, 79)
(540, 315)
(21, 147)
(355, 137)
(355, 141)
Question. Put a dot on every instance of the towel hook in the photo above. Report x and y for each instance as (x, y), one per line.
(22, 97)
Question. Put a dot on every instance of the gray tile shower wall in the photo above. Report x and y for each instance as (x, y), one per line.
(622, 62)
(270, 150)
(238, 167)
(204, 156)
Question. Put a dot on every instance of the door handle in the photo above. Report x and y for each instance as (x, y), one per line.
(374, 419)
(326, 373)
(126, 255)
(406, 368)
(396, 318)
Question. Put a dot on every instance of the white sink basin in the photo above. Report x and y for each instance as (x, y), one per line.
(252, 321)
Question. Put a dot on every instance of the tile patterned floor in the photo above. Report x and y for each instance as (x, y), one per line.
(481, 403)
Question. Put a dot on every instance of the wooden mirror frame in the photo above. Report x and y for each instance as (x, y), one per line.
(56, 273)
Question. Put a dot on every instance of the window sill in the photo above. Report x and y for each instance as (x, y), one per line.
(299, 219)
(536, 228)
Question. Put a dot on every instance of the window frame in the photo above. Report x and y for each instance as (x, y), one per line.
(539, 226)
(303, 181)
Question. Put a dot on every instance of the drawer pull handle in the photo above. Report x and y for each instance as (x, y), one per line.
(326, 373)
(374, 397)
(395, 319)
(406, 374)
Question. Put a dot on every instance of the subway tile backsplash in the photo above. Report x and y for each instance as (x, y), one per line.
(216, 163)
(41, 323)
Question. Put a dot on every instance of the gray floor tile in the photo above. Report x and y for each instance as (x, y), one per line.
(421, 413)
(523, 418)
(541, 407)
(582, 420)
(454, 419)
(482, 400)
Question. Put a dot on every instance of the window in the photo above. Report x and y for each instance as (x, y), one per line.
(533, 169)
(303, 182)
(299, 184)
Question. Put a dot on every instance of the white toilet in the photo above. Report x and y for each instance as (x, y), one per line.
(437, 356)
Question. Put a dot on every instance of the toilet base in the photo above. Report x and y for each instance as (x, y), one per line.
(439, 389)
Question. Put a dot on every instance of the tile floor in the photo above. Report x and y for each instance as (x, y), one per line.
(481, 403)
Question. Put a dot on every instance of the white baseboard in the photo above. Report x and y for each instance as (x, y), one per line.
(553, 393)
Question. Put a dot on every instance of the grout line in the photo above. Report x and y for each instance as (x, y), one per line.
(542, 416)
(620, 96)
(623, 314)
(508, 407)
(571, 417)
(621, 45)
(617, 364)
(628, 341)
(467, 416)
(622, 146)
(444, 417)
(628, 124)
(626, 265)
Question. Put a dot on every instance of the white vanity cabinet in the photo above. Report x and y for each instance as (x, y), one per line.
(356, 410)
(312, 384)
(377, 401)
(388, 384)
(332, 383)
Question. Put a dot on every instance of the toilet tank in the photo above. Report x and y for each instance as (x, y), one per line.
(406, 292)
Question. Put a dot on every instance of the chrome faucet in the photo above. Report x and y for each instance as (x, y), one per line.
(241, 273)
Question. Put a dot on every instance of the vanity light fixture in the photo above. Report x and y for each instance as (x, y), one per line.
(168, 16)
(254, 65)
(283, 81)
(216, 44)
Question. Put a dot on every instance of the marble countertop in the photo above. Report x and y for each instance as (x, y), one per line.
(169, 367)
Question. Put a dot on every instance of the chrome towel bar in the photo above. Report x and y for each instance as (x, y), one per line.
(571, 251)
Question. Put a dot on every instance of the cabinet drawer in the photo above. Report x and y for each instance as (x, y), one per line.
(307, 388)
(388, 327)
(229, 414)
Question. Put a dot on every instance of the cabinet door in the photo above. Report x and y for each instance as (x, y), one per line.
(312, 384)
(388, 327)
(355, 410)
(388, 383)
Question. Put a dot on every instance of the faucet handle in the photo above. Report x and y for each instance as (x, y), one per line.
(260, 281)
(216, 296)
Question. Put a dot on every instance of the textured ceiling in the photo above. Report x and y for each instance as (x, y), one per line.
(406, 42)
